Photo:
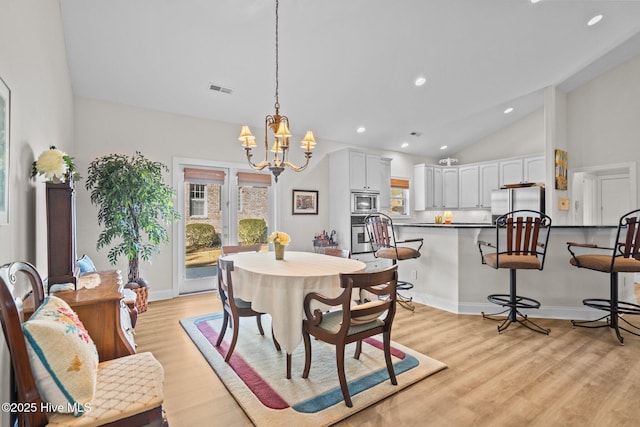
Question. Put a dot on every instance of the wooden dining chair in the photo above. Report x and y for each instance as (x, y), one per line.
(623, 257)
(234, 308)
(352, 323)
(342, 253)
(126, 391)
(234, 249)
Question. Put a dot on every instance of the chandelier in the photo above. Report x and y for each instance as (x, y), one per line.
(279, 125)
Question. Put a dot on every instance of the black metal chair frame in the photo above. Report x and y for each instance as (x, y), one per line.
(523, 242)
(382, 235)
(627, 245)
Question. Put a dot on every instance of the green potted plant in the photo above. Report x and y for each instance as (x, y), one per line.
(134, 206)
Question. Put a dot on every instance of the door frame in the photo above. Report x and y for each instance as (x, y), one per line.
(178, 164)
(628, 168)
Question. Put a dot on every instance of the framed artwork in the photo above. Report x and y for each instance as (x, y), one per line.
(5, 114)
(305, 202)
(561, 169)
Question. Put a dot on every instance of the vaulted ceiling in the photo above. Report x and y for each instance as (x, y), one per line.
(344, 64)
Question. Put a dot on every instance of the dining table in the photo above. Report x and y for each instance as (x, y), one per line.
(278, 287)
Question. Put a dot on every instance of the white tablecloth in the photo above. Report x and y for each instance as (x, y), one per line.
(279, 287)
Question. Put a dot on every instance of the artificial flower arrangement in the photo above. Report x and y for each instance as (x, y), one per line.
(280, 238)
(55, 165)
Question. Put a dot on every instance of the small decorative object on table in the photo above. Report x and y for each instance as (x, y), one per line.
(279, 240)
(324, 239)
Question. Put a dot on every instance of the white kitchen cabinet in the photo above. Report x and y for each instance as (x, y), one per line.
(419, 187)
(489, 181)
(364, 171)
(511, 171)
(522, 169)
(476, 184)
(438, 199)
(534, 170)
(469, 186)
(450, 187)
(385, 184)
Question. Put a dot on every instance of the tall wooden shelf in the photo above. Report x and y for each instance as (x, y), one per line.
(61, 233)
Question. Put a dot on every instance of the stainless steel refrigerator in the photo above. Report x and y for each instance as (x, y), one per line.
(513, 199)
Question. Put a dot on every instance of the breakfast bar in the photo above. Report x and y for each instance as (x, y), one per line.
(449, 275)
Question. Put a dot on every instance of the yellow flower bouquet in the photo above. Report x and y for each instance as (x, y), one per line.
(279, 240)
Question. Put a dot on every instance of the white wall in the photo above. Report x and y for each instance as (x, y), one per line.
(524, 137)
(602, 119)
(33, 64)
(102, 128)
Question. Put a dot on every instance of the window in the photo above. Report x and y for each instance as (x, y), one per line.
(400, 196)
(198, 200)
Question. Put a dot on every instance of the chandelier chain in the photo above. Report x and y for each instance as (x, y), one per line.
(277, 104)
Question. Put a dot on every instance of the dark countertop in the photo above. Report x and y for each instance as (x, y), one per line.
(483, 225)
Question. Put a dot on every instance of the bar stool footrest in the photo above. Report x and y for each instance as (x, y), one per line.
(505, 300)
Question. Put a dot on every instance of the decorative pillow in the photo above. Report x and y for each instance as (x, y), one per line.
(63, 358)
(86, 265)
(359, 320)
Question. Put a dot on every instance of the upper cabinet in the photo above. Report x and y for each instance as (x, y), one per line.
(476, 184)
(364, 171)
(450, 187)
(427, 181)
(523, 169)
(470, 186)
(385, 184)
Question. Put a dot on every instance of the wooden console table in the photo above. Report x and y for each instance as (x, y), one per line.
(103, 313)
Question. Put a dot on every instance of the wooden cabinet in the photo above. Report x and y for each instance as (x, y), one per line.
(102, 312)
(61, 233)
(364, 171)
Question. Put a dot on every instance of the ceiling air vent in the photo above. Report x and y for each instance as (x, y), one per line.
(219, 88)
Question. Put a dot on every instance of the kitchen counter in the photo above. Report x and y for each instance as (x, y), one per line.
(450, 275)
(485, 225)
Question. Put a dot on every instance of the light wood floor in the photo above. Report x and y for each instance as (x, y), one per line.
(574, 377)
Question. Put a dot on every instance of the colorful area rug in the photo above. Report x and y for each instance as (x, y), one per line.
(256, 374)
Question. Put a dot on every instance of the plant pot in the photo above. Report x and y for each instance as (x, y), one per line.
(141, 288)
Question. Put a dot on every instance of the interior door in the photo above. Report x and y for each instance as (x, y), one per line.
(614, 198)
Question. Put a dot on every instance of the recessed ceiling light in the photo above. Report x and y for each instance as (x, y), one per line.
(594, 20)
(534, 1)
(404, 145)
(444, 147)
(361, 129)
(508, 110)
(420, 81)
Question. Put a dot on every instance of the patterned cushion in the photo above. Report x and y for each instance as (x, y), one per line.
(63, 358)
(126, 386)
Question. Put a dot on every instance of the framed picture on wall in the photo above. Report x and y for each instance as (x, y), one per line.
(561, 169)
(305, 202)
(5, 114)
